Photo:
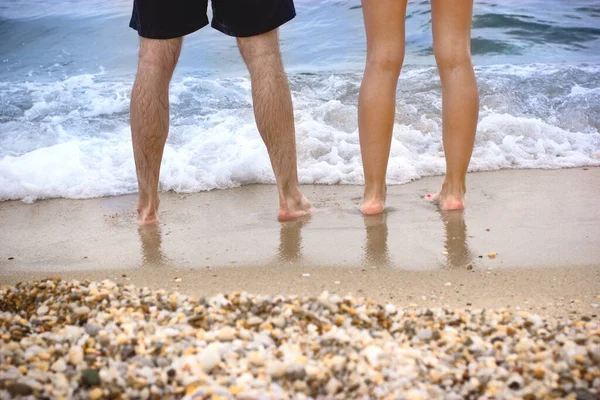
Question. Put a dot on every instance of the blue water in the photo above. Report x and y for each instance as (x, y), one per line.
(66, 69)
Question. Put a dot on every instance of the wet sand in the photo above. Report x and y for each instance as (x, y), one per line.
(543, 225)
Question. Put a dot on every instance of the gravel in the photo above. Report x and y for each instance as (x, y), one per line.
(102, 340)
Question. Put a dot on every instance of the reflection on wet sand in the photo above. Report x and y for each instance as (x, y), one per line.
(457, 247)
(150, 240)
(290, 240)
(375, 248)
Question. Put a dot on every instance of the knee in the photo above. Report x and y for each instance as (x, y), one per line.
(386, 60)
(450, 56)
(262, 59)
(159, 56)
(260, 51)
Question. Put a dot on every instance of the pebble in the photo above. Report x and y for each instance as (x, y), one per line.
(256, 359)
(19, 389)
(43, 310)
(226, 334)
(92, 329)
(276, 369)
(80, 311)
(162, 362)
(372, 353)
(210, 356)
(254, 321)
(69, 339)
(76, 355)
(425, 334)
(95, 394)
(59, 365)
(295, 371)
(415, 394)
(90, 377)
(333, 386)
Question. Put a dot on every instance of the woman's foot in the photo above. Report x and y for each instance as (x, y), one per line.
(451, 197)
(373, 201)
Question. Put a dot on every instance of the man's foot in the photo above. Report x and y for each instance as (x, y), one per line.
(448, 199)
(147, 212)
(294, 207)
(373, 203)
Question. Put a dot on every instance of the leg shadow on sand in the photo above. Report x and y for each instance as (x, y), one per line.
(459, 255)
(151, 251)
(290, 240)
(375, 249)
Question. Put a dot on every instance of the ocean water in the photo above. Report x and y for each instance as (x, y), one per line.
(67, 67)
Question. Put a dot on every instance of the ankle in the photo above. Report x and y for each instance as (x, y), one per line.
(375, 191)
(290, 192)
(454, 187)
(148, 203)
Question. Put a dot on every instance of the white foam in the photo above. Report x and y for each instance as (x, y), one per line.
(74, 141)
(584, 91)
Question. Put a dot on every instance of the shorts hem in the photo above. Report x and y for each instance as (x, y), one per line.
(254, 32)
(172, 34)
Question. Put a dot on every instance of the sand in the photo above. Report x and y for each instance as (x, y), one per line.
(543, 225)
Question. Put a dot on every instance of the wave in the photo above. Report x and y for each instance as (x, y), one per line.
(70, 138)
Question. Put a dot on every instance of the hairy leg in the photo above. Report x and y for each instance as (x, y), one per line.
(384, 24)
(451, 21)
(275, 118)
(150, 119)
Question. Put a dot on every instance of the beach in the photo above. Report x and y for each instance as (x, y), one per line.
(223, 302)
(220, 300)
(547, 253)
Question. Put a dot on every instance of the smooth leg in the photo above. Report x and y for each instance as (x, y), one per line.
(451, 20)
(384, 24)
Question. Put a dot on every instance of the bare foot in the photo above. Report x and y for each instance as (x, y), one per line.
(448, 199)
(148, 212)
(372, 207)
(373, 204)
(294, 207)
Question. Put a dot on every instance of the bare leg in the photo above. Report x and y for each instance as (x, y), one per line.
(275, 118)
(150, 119)
(460, 99)
(384, 24)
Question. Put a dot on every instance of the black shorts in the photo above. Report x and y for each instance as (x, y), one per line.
(168, 19)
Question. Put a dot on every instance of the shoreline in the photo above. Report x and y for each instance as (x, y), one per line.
(548, 259)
